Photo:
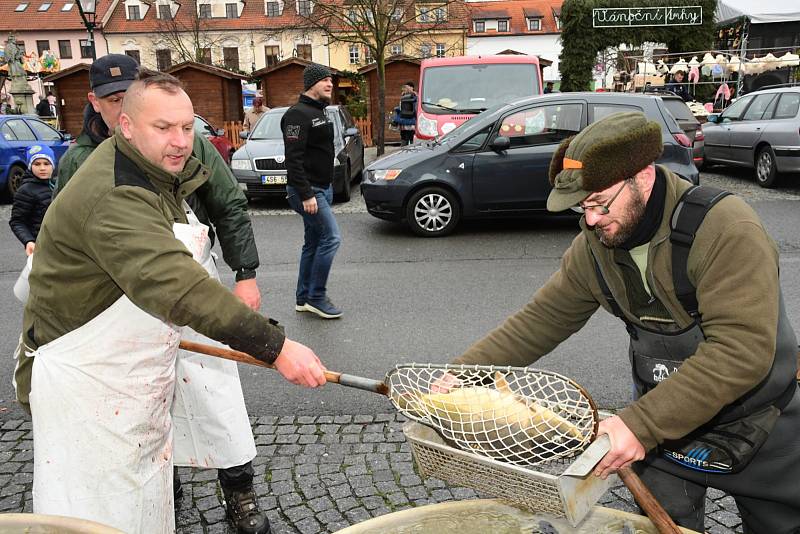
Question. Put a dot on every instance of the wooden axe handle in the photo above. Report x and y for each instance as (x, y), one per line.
(662, 521)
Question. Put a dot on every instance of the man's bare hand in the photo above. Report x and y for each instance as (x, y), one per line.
(625, 447)
(299, 365)
(247, 291)
(29, 247)
(445, 383)
(310, 205)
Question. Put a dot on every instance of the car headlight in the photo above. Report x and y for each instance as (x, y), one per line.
(427, 127)
(241, 165)
(383, 174)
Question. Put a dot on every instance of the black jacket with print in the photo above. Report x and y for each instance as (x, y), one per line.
(308, 145)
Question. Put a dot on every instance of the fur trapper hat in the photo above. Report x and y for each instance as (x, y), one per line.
(604, 153)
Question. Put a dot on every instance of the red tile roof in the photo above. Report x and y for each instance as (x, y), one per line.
(53, 19)
(517, 12)
(252, 17)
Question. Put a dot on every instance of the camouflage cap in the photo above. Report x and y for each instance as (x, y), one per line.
(604, 153)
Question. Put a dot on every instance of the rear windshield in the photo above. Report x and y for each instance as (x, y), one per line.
(268, 127)
(475, 88)
(678, 109)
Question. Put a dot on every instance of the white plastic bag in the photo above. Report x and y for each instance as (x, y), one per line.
(21, 287)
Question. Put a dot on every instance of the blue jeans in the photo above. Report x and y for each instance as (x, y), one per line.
(322, 239)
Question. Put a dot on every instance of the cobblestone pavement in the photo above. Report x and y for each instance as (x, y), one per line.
(313, 475)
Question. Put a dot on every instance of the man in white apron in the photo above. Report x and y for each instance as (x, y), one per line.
(209, 404)
(117, 275)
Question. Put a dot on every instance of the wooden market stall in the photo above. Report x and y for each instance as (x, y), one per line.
(202, 81)
(282, 83)
(70, 87)
(399, 69)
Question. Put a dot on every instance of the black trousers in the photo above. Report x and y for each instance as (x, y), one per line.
(406, 137)
(767, 491)
(236, 478)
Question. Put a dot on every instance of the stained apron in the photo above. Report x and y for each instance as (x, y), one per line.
(209, 416)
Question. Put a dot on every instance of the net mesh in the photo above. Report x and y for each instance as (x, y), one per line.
(516, 415)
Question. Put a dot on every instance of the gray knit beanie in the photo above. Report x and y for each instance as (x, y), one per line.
(313, 74)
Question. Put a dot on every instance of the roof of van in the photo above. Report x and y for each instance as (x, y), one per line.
(484, 59)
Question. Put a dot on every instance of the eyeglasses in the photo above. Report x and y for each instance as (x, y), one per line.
(601, 209)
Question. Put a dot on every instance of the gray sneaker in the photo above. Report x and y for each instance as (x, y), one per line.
(324, 308)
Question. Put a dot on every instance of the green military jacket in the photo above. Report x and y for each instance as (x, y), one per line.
(733, 265)
(110, 234)
(219, 203)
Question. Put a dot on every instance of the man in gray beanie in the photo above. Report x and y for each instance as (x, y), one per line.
(693, 276)
(308, 142)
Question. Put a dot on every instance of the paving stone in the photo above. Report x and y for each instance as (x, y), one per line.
(264, 429)
(297, 513)
(355, 470)
(286, 439)
(441, 495)
(267, 502)
(286, 420)
(307, 439)
(387, 486)
(219, 528)
(203, 490)
(342, 419)
(337, 525)
(714, 494)
(365, 491)
(352, 429)
(357, 515)
(315, 449)
(382, 476)
(416, 492)
(460, 494)
(320, 504)
(307, 469)
(25, 479)
(333, 479)
(381, 510)
(348, 503)
(282, 487)
(361, 481)
(289, 500)
(327, 469)
(728, 519)
(396, 499)
(306, 420)
(10, 467)
(386, 447)
(285, 429)
(265, 439)
(12, 503)
(364, 448)
(187, 516)
(340, 492)
(350, 438)
(308, 525)
(280, 474)
(313, 491)
(370, 503)
(215, 515)
(207, 503)
(410, 480)
(728, 503)
(12, 435)
(282, 462)
(330, 439)
(11, 424)
(325, 419)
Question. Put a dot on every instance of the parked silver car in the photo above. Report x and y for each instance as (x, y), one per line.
(761, 131)
(260, 165)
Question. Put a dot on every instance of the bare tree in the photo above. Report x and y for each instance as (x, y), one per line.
(376, 25)
(188, 34)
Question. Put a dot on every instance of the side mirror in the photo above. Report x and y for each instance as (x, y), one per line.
(500, 143)
(352, 132)
(220, 132)
(244, 134)
(714, 117)
(66, 136)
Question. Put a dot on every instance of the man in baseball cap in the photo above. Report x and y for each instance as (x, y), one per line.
(693, 276)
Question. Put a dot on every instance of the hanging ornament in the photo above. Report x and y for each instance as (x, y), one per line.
(723, 90)
(734, 64)
(770, 62)
(680, 66)
(790, 60)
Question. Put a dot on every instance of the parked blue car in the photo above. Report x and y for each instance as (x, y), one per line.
(17, 133)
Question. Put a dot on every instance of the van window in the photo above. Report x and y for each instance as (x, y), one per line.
(541, 125)
(760, 104)
(787, 106)
(601, 111)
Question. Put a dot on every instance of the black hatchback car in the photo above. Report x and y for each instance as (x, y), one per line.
(496, 163)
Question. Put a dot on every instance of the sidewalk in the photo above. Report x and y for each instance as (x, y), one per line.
(313, 474)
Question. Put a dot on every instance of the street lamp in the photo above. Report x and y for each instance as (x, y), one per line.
(88, 11)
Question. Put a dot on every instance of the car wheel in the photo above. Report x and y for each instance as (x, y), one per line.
(433, 212)
(766, 170)
(15, 179)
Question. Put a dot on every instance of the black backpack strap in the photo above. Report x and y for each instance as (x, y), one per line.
(686, 219)
(609, 296)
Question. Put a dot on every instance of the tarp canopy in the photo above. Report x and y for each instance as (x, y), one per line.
(761, 12)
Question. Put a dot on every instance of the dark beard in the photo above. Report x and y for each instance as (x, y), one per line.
(627, 225)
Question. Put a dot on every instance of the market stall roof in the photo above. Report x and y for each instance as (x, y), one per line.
(762, 12)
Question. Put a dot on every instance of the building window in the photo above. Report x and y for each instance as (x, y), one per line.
(230, 57)
(205, 56)
(164, 12)
(273, 9)
(231, 11)
(205, 11)
(21, 7)
(272, 55)
(558, 23)
(45, 7)
(67, 7)
(368, 55)
(86, 49)
(135, 55)
(354, 55)
(424, 14)
(303, 51)
(440, 14)
(65, 49)
(397, 49)
(502, 25)
(134, 13)
(163, 59)
(439, 49)
(41, 46)
(480, 26)
(534, 24)
(304, 7)
(425, 50)
(397, 14)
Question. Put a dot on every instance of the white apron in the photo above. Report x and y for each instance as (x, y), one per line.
(209, 416)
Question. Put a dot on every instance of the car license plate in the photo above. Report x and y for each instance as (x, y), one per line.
(271, 179)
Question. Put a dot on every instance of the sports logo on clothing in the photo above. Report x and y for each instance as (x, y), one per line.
(697, 459)
(293, 132)
(35, 149)
(661, 372)
(318, 122)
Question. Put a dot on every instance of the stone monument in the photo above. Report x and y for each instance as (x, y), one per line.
(22, 92)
